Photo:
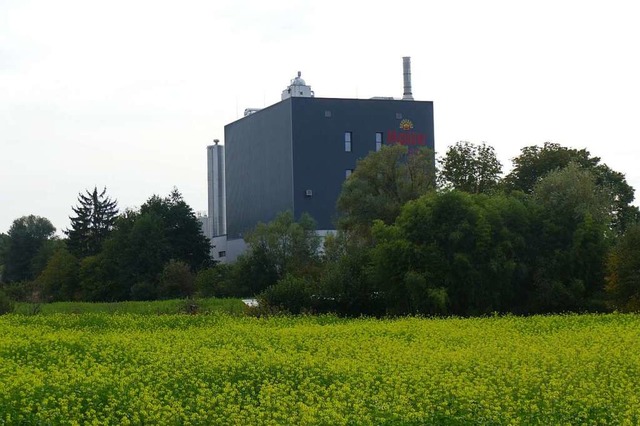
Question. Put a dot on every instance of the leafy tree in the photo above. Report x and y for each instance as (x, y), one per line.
(453, 252)
(623, 272)
(381, 184)
(134, 254)
(535, 162)
(94, 220)
(59, 279)
(216, 282)
(97, 280)
(176, 281)
(292, 246)
(345, 285)
(46, 251)
(470, 168)
(281, 247)
(571, 240)
(27, 236)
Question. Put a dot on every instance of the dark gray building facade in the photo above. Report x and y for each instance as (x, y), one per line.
(295, 155)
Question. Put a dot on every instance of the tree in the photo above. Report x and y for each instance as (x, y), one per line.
(134, 255)
(535, 162)
(182, 229)
(27, 236)
(381, 184)
(470, 168)
(215, 282)
(176, 281)
(571, 240)
(141, 244)
(4, 248)
(453, 252)
(345, 285)
(623, 272)
(59, 279)
(280, 247)
(94, 220)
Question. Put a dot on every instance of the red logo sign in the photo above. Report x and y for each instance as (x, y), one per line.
(405, 136)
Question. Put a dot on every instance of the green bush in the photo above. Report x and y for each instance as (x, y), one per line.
(24, 291)
(215, 282)
(291, 294)
(176, 281)
(144, 290)
(6, 304)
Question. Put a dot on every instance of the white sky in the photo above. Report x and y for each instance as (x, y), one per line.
(128, 94)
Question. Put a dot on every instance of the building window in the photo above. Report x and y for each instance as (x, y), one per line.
(347, 173)
(378, 141)
(347, 141)
(327, 113)
(398, 116)
(222, 253)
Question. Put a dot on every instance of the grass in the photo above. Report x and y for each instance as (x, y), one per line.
(157, 307)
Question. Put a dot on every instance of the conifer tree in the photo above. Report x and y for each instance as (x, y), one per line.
(94, 218)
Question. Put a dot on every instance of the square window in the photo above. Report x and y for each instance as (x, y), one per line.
(398, 116)
(347, 173)
(327, 113)
(222, 253)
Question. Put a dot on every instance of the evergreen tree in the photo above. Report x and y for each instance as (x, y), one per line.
(95, 217)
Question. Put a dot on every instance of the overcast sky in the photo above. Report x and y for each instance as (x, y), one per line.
(128, 94)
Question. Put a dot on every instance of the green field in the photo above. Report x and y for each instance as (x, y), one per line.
(98, 368)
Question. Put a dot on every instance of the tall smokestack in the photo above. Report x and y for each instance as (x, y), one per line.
(406, 68)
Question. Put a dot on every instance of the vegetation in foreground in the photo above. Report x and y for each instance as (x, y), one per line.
(157, 307)
(217, 369)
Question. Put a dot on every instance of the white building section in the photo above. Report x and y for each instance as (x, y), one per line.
(297, 88)
(217, 200)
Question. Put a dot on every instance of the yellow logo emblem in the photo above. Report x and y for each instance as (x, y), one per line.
(406, 124)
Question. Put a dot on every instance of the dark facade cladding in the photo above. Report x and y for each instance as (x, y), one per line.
(296, 154)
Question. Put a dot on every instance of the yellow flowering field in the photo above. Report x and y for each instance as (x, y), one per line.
(217, 369)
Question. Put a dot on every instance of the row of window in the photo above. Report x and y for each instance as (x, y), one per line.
(348, 137)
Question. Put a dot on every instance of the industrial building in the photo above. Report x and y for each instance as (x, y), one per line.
(295, 155)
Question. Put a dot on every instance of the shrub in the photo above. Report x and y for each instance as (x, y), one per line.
(291, 294)
(6, 304)
(176, 281)
(144, 290)
(215, 282)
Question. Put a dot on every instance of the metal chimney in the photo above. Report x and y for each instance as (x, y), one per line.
(406, 68)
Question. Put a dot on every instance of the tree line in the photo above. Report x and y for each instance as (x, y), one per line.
(558, 233)
(414, 236)
(139, 254)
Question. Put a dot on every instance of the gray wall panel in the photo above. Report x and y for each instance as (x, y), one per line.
(259, 176)
(319, 157)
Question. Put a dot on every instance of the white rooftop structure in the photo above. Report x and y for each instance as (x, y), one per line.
(297, 89)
